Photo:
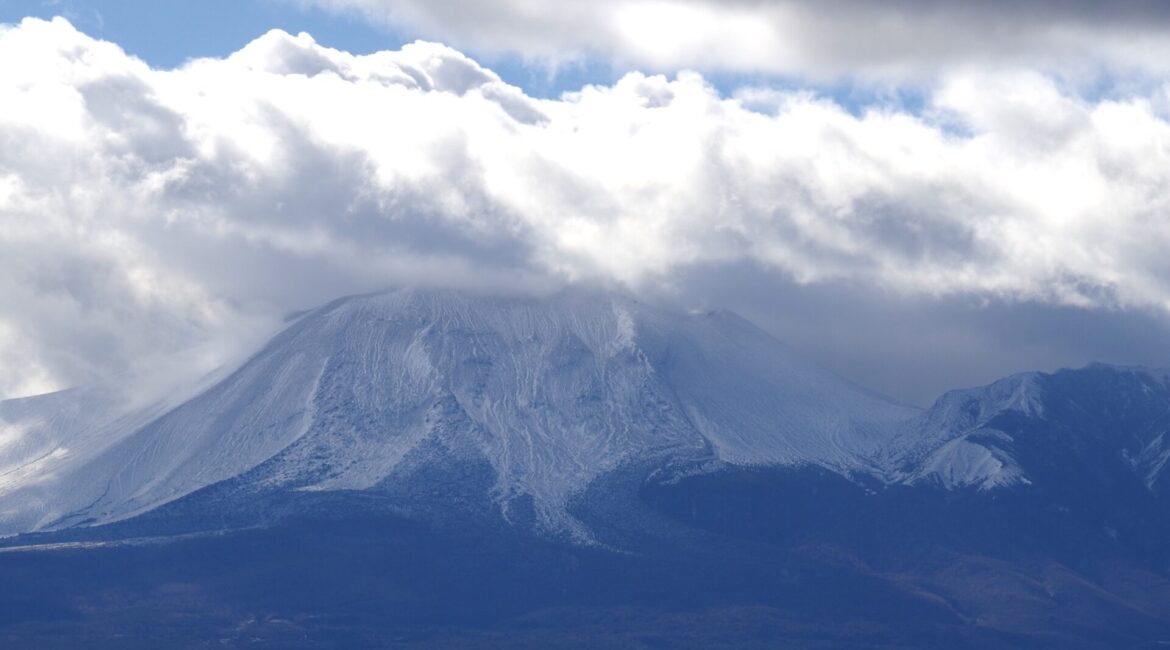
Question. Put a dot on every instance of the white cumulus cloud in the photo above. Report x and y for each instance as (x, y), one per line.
(144, 211)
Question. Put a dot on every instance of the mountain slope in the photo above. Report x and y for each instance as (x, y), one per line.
(436, 463)
(1063, 427)
(551, 392)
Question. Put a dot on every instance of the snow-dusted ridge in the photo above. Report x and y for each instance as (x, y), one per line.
(552, 392)
(951, 445)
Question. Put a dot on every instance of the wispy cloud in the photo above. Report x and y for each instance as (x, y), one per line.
(795, 37)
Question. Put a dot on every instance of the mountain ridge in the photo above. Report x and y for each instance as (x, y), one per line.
(551, 392)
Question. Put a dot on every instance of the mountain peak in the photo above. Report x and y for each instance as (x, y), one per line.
(541, 396)
(551, 392)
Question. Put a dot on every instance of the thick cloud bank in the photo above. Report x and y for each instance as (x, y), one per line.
(145, 211)
(797, 37)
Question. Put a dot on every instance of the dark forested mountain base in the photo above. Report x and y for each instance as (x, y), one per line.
(737, 558)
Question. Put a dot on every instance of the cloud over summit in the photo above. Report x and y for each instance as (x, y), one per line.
(144, 211)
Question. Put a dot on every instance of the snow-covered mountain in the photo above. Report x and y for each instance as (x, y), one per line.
(1008, 433)
(417, 458)
(550, 392)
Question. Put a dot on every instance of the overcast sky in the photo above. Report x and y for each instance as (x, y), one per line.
(919, 195)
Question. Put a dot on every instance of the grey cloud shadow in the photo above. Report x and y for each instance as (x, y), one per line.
(913, 348)
(324, 191)
(147, 129)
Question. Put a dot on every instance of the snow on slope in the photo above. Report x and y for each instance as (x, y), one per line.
(950, 444)
(1122, 413)
(758, 403)
(970, 461)
(48, 437)
(552, 392)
